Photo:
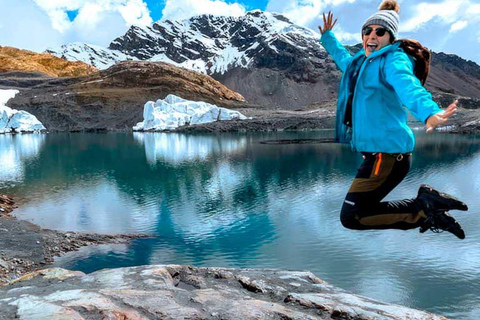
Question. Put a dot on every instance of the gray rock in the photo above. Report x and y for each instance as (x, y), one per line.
(183, 292)
(3, 264)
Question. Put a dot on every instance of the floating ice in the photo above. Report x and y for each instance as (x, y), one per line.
(174, 112)
(14, 120)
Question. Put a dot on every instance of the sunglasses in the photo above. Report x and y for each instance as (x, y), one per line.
(380, 32)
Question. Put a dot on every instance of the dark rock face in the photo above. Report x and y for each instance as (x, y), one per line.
(454, 75)
(112, 99)
(21, 79)
(466, 66)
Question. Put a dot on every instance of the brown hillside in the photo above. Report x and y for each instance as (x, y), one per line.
(13, 59)
(112, 99)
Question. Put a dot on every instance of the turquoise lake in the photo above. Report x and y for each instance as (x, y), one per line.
(240, 200)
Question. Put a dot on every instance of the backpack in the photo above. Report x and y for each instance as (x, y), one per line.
(420, 54)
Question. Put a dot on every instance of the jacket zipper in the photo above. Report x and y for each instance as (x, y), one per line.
(354, 110)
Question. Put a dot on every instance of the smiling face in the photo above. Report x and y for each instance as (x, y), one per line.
(372, 42)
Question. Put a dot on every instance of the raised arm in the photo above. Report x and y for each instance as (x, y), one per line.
(340, 55)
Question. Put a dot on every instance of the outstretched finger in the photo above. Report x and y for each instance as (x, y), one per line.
(452, 106)
(449, 112)
(334, 22)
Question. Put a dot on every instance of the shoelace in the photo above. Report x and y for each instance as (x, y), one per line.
(430, 223)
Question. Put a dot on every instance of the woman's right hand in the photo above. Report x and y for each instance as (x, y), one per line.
(327, 23)
(441, 117)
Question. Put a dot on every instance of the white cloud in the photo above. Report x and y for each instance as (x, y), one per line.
(303, 12)
(184, 9)
(474, 9)
(91, 12)
(38, 24)
(26, 26)
(447, 11)
(135, 12)
(348, 37)
(459, 25)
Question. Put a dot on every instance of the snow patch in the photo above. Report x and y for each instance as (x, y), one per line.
(16, 120)
(173, 112)
(100, 57)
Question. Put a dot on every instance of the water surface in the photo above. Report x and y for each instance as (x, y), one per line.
(232, 201)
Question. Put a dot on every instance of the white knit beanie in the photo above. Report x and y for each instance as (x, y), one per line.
(387, 17)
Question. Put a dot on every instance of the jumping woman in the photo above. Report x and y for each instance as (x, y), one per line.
(378, 84)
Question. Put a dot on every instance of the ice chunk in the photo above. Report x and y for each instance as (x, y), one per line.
(173, 112)
(15, 120)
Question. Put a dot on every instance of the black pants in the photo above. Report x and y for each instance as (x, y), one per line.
(379, 174)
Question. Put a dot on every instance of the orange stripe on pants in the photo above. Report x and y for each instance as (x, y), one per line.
(379, 161)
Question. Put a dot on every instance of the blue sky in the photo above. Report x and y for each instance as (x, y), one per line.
(451, 26)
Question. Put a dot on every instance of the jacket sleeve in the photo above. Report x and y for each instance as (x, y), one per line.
(338, 52)
(399, 74)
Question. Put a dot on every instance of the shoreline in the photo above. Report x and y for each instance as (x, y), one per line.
(26, 247)
(317, 117)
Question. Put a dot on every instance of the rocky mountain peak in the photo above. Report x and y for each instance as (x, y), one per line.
(215, 44)
(467, 66)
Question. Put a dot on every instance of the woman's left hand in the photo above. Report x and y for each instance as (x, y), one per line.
(328, 22)
(441, 117)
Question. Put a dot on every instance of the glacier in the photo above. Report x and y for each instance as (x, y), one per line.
(16, 121)
(173, 112)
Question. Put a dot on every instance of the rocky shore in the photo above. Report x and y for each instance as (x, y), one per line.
(184, 292)
(25, 247)
(29, 291)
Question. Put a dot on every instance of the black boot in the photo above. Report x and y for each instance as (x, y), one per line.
(431, 200)
(442, 221)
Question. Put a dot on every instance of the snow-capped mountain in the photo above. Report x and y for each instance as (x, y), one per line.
(207, 44)
(261, 55)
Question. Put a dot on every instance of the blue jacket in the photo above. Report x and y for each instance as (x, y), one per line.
(385, 84)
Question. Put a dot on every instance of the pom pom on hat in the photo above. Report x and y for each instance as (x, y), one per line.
(387, 17)
(390, 5)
